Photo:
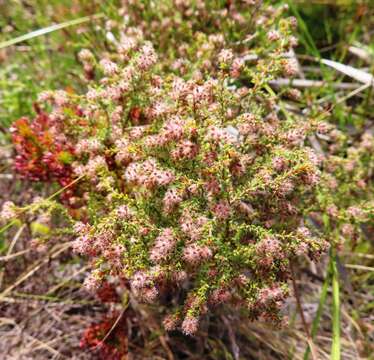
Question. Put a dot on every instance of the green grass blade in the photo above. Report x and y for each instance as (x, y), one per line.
(307, 38)
(47, 30)
(335, 348)
(321, 304)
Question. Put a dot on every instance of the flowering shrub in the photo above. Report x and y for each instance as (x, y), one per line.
(194, 184)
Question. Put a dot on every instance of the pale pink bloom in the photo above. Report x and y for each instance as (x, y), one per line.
(162, 177)
(83, 244)
(109, 67)
(61, 98)
(294, 137)
(180, 89)
(312, 178)
(270, 294)
(163, 246)
(202, 93)
(303, 232)
(140, 280)
(190, 325)
(170, 322)
(127, 76)
(347, 230)
(155, 140)
(219, 296)
(93, 94)
(290, 67)
(81, 228)
(117, 114)
(82, 147)
(104, 239)
(269, 246)
(367, 141)
(92, 282)
(45, 96)
(126, 44)
(302, 248)
(171, 199)
(279, 163)
(185, 150)
(222, 210)
(159, 109)
(217, 134)
(149, 294)
(8, 211)
(217, 39)
(94, 165)
(173, 129)
(193, 189)
(225, 56)
(124, 212)
(236, 67)
(355, 212)
(137, 132)
(314, 158)
(180, 276)
(193, 228)
(195, 254)
(273, 35)
(85, 56)
(147, 57)
(148, 174)
(113, 92)
(94, 145)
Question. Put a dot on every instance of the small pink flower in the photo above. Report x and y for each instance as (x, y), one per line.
(109, 67)
(170, 322)
(163, 246)
(61, 98)
(171, 199)
(225, 56)
(8, 210)
(147, 57)
(355, 212)
(92, 282)
(290, 67)
(270, 294)
(236, 67)
(270, 247)
(222, 210)
(86, 56)
(219, 296)
(185, 150)
(273, 35)
(279, 163)
(149, 295)
(139, 281)
(195, 254)
(190, 325)
(124, 212)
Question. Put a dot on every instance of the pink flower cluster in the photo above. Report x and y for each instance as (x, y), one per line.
(163, 246)
(148, 174)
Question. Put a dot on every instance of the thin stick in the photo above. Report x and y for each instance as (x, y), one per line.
(305, 83)
(48, 29)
